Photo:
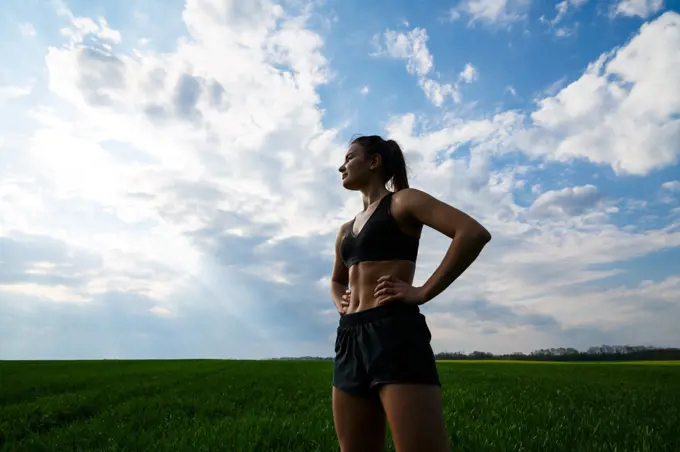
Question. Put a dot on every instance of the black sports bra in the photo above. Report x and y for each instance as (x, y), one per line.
(381, 239)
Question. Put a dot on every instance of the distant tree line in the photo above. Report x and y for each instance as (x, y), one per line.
(598, 353)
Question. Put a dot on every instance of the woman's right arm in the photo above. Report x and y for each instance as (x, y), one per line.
(340, 276)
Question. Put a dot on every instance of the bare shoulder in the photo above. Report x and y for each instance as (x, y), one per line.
(430, 211)
(343, 229)
(345, 226)
(407, 199)
(411, 193)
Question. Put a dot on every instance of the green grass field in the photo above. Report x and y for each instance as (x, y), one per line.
(286, 406)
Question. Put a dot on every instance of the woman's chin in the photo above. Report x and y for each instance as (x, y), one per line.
(348, 185)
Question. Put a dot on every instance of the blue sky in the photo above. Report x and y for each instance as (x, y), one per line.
(169, 184)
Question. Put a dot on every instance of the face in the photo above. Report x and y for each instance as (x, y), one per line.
(357, 170)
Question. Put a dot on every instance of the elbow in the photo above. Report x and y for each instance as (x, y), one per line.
(481, 234)
(478, 235)
(484, 235)
(341, 283)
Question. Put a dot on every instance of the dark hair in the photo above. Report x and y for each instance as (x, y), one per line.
(394, 165)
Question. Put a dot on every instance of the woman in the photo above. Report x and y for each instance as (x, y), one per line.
(384, 364)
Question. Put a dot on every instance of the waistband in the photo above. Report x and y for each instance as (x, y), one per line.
(392, 309)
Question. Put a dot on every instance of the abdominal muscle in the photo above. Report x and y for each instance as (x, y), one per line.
(363, 277)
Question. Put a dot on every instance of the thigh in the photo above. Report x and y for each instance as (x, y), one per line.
(416, 418)
(359, 422)
(398, 351)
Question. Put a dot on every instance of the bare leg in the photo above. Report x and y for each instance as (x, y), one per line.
(359, 422)
(416, 417)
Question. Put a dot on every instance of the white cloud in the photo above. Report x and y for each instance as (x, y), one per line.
(83, 26)
(612, 114)
(160, 310)
(56, 293)
(671, 185)
(564, 32)
(495, 130)
(585, 319)
(469, 73)
(554, 87)
(364, 90)
(438, 92)
(453, 14)
(412, 47)
(14, 92)
(570, 201)
(563, 7)
(160, 144)
(27, 30)
(493, 11)
(639, 8)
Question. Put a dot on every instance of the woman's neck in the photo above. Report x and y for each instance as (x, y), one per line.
(373, 194)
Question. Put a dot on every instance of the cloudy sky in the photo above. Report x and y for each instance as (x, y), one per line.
(169, 183)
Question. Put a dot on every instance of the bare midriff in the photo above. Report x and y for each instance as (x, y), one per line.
(363, 277)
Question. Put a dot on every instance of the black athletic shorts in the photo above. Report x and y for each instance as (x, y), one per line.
(383, 345)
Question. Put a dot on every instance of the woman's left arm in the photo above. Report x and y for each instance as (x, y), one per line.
(468, 238)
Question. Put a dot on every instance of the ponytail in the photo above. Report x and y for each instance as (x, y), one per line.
(394, 164)
(399, 177)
